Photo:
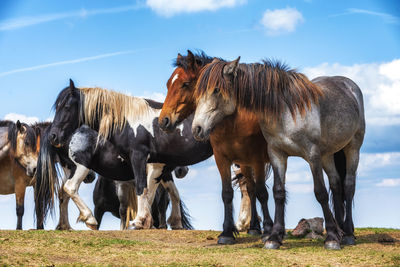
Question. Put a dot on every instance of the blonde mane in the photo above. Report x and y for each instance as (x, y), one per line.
(111, 110)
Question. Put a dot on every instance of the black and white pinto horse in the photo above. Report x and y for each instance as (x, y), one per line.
(130, 141)
(85, 151)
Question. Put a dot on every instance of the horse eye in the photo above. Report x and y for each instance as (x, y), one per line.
(216, 90)
(185, 85)
(26, 143)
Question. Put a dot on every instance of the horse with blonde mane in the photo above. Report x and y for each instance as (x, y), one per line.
(129, 124)
(317, 120)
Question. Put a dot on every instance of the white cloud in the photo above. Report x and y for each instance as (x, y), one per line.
(160, 97)
(380, 84)
(171, 7)
(371, 161)
(22, 22)
(280, 21)
(22, 118)
(300, 188)
(389, 182)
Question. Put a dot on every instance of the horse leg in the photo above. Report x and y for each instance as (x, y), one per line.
(63, 223)
(229, 229)
(352, 152)
(251, 190)
(123, 193)
(335, 184)
(332, 240)
(63, 198)
(71, 187)
(243, 222)
(175, 219)
(143, 218)
(162, 207)
(262, 196)
(20, 187)
(279, 165)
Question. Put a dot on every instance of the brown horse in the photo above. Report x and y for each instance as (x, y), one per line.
(238, 139)
(19, 148)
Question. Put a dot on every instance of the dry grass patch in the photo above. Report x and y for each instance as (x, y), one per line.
(379, 247)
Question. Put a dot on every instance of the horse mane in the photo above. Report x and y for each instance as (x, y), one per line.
(41, 125)
(267, 87)
(200, 57)
(12, 133)
(110, 109)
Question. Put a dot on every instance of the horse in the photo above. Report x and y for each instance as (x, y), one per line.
(19, 148)
(119, 197)
(316, 120)
(130, 125)
(86, 151)
(237, 139)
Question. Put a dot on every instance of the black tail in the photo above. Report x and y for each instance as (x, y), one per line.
(46, 185)
(340, 164)
(186, 218)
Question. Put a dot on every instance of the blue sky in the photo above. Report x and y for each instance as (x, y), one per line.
(129, 46)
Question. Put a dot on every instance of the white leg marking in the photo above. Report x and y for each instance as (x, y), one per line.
(243, 222)
(143, 218)
(71, 187)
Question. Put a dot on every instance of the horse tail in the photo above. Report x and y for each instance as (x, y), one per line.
(340, 164)
(131, 210)
(185, 216)
(46, 185)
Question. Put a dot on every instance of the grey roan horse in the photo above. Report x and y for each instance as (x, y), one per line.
(312, 120)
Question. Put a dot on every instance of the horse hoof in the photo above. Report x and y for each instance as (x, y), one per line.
(348, 240)
(272, 245)
(332, 245)
(264, 238)
(92, 226)
(224, 240)
(254, 232)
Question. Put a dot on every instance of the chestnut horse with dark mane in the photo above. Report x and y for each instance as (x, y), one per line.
(238, 139)
(321, 121)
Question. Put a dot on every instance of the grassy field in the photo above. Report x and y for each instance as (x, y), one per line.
(375, 247)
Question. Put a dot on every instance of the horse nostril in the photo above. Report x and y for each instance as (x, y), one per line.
(53, 137)
(198, 130)
(34, 170)
(166, 122)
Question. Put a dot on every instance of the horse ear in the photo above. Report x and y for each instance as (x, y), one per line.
(179, 56)
(190, 59)
(71, 84)
(38, 131)
(215, 60)
(20, 127)
(231, 68)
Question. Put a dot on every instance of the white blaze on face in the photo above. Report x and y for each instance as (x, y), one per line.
(173, 79)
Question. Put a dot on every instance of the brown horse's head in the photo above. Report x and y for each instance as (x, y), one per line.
(25, 141)
(180, 103)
